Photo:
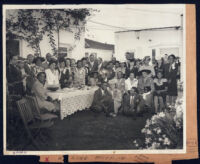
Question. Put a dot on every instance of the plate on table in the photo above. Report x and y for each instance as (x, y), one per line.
(53, 88)
(68, 89)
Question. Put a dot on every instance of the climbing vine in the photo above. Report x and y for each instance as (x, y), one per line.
(31, 25)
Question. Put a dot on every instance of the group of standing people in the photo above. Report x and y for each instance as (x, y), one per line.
(130, 86)
(137, 86)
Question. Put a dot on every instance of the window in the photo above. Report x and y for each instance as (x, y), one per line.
(62, 52)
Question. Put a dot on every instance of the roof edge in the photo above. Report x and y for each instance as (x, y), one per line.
(146, 29)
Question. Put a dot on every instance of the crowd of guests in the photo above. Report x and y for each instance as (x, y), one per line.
(130, 87)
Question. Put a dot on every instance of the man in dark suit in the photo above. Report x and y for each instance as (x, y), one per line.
(29, 69)
(132, 103)
(103, 100)
(48, 59)
(92, 64)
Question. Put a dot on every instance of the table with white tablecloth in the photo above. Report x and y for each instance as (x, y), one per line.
(72, 100)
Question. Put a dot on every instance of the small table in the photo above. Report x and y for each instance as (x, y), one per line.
(72, 99)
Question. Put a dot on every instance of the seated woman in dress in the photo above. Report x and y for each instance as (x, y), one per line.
(64, 73)
(93, 79)
(160, 91)
(44, 101)
(146, 87)
(131, 82)
(102, 101)
(52, 74)
(79, 75)
(133, 103)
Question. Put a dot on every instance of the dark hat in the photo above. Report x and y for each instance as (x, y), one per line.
(172, 55)
(38, 58)
(61, 60)
(136, 90)
(52, 61)
(146, 57)
(145, 70)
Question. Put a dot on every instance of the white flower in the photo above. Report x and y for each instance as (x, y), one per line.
(147, 123)
(135, 141)
(167, 141)
(148, 131)
(147, 140)
(153, 122)
(161, 114)
(143, 130)
(158, 131)
(154, 145)
(179, 111)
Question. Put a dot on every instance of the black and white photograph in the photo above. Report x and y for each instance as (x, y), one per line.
(94, 79)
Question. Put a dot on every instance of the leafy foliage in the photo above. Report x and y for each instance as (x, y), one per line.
(164, 130)
(31, 24)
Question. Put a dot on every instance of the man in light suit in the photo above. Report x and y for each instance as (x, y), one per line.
(44, 101)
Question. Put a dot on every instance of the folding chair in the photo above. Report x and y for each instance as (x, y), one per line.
(32, 126)
(36, 110)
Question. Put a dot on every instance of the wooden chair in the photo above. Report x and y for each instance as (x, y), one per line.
(36, 110)
(32, 126)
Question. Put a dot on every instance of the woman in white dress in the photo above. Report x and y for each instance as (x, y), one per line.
(131, 82)
(52, 74)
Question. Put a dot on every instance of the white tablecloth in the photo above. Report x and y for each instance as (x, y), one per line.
(72, 100)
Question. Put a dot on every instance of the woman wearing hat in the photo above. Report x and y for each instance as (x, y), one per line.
(146, 87)
(52, 74)
(146, 66)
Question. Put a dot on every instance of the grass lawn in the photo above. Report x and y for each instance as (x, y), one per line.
(85, 131)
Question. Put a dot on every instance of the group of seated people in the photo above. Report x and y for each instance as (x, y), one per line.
(129, 87)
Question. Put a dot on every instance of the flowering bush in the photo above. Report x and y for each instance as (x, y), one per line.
(164, 130)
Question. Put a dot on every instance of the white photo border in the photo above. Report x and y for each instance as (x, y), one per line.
(61, 152)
